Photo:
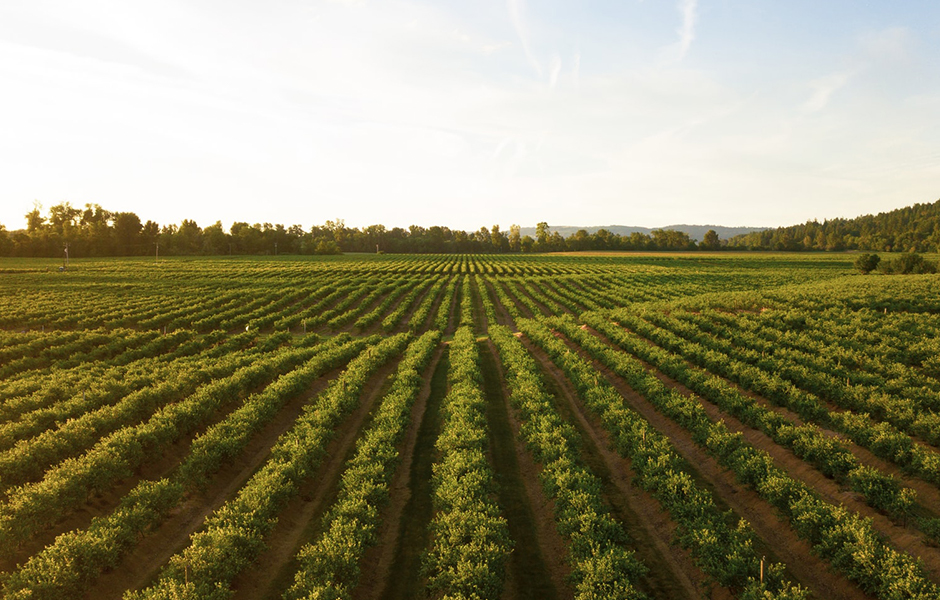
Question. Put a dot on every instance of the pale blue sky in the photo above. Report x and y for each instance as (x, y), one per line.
(469, 114)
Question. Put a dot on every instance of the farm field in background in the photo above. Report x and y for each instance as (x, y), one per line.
(722, 425)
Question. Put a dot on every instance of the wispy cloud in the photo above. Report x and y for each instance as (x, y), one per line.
(894, 44)
(576, 70)
(687, 30)
(556, 70)
(824, 88)
(517, 17)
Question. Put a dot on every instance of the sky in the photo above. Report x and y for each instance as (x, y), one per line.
(470, 114)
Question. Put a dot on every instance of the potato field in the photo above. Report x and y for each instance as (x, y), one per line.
(373, 427)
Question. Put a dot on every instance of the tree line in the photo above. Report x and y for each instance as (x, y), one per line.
(911, 229)
(94, 231)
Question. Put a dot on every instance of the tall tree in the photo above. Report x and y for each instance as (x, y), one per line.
(710, 241)
(127, 228)
(515, 238)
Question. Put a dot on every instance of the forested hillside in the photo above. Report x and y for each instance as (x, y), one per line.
(913, 228)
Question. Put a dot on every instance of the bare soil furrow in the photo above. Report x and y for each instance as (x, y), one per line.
(376, 566)
(673, 574)
(299, 522)
(808, 569)
(140, 565)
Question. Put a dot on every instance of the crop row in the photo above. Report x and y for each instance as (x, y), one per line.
(470, 537)
(723, 552)
(827, 454)
(65, 568)
(32, 506)
(602, 564)
(907, 414)
(882, 439)
(234, 534)
(848, 541)
(329, 566)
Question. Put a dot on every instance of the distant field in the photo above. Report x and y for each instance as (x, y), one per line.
(523, 426)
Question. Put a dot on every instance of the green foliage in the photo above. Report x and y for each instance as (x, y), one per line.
(471, 542)
(866, 263)
(907, 264)
(234, 534)
(329, 567)
(910, 229)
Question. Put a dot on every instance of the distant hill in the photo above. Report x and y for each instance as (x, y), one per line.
(696, 232)
(910, 229)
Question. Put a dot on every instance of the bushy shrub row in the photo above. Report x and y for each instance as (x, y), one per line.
(882, 439)
(329, 295)
(32, 506)
(602, 564)
(466, 303)
(329, 567)
(394, 290)
(442, 318)
(391, 319)
(725, 553)
(847, 540)
(909, 414)
(829, 455)
(421, 314)
(470, 538)
(65, 568)
(234, 534)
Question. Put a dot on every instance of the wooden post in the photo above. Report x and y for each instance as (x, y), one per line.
(762, 568)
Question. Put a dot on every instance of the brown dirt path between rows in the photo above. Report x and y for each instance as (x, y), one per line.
(514, 298)
(103, 503)
(906, 538)
(405, 320)
(539, 303)
(299, 521)
(780, 539)
(651, 529)
(829, 405)
(405, 323)
(376, 564)
(928, 493)
(502, 315)
(537, 565)
(406, 581)
(141, 564)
